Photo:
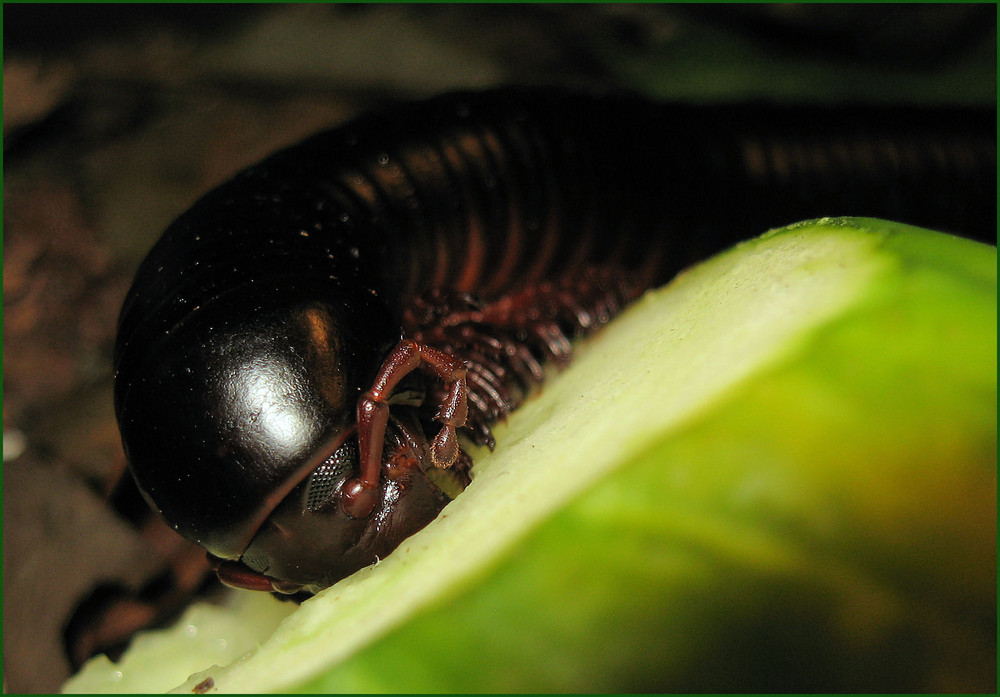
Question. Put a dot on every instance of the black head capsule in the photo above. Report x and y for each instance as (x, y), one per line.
(237, 406)
(242, 439)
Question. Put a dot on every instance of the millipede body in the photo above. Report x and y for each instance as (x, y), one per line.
(301, 348)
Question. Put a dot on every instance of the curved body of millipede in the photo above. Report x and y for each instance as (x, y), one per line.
(302, 347)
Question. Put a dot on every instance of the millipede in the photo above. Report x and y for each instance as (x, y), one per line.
(301, 350)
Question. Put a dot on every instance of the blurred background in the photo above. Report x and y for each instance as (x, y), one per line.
(117, 117)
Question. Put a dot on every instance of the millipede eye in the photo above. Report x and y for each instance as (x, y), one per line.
(255, 562)
(323, 482)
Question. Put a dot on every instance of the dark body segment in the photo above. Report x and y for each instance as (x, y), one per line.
(265, 312)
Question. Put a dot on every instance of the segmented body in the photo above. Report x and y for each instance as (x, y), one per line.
(487, 193)
(485, 226)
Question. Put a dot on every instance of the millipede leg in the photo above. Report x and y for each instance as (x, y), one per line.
(359, 495)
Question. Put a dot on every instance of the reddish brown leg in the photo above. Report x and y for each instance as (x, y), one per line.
(360, 494)
(504, 343)
(496, 343)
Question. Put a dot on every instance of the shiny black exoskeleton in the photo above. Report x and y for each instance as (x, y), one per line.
(414, 268)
